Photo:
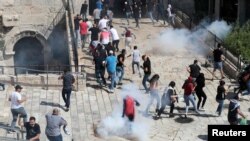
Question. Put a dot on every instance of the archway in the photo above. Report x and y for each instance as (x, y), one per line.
(29, 56)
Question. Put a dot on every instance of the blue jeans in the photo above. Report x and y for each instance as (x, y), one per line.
(188, 98)
(220, 106)
(112, 75)
(150, 14)
(128, 15)
(55, 138)
(120, 73)
(138, 67)
(144, 80)
(15, 112)
(66, 96)
(154, 95)
(99, 73)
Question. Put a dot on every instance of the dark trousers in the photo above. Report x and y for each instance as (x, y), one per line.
(2, 85)
(131, 117)
(66, 96)
(100, 74)
(55, 138)
(200, 94)
(15, 112)
(116, 44)
(144, 80)
(137, 22)
(163, 106)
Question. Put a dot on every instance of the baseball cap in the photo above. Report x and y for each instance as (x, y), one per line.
(111, 52)
(18, 87)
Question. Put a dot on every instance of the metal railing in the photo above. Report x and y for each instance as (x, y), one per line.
(211, 40)
(60, 14)
(45, 78)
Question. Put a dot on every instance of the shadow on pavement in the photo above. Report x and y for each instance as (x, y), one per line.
(52, 105)
(203, 137)
(182, 119)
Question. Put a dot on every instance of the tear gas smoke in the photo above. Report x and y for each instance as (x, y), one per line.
(115, 125)
(183, 41)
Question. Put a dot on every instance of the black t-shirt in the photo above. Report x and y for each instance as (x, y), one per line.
(220, 93)
(84, 8)
(120, 57)
(194, 70)
(217, 55)
(147, 64)
(127, 8)
(32, 131)
(150, 6)
(98, 62)
(76, 22)
(94, 33)
(200, 81)
(232, 111)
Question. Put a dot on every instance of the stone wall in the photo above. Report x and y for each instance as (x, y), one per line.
(25, 12)
(186, 5)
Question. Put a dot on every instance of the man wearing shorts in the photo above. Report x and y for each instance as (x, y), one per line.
(218, 57)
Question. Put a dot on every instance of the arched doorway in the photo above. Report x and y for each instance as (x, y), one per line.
(29, 56)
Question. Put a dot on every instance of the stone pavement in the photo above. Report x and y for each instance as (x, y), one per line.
(92, 104)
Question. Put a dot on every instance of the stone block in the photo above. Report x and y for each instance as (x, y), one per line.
(7, 2)
(10, 20)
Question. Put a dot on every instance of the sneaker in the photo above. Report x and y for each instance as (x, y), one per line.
(185, 116)
(67, 109)
(198, 112)
(171, 115)
(10, 131)
(202, 109)
(111, 91)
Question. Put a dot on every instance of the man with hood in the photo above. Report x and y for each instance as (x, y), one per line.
(189, 88)
(129, 107)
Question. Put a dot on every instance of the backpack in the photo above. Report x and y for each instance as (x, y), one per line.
(129, 106)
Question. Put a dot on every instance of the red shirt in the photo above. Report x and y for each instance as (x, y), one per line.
(83, 28)
(188, 86)
(129, 103)
(128, 33)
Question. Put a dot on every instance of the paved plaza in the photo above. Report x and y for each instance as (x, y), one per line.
(92, 103)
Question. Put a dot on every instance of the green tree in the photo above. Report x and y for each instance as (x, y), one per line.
(238, 41)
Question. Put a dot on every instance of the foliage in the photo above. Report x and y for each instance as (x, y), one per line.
(238, 41)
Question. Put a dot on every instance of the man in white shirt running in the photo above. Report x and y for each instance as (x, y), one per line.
(16, 108)
(115, 37)
(103, 23)
(170, 15)
(136, 59)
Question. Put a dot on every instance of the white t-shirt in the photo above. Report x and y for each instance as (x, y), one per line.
(102, 23)
(14, 103)
(169, 12)
(114, 34)
(136, 55)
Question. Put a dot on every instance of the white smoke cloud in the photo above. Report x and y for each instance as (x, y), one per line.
(115, 125)
(183, 41)
(220, 28)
